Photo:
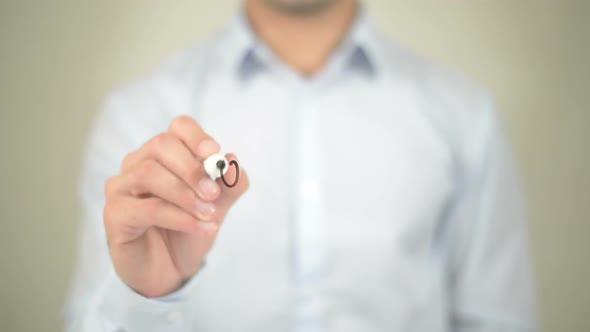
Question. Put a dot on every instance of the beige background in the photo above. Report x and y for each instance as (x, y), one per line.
(60, 58)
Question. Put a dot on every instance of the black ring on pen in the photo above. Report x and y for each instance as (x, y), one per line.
(221, 165)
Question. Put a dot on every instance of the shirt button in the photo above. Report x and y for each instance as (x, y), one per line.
(174, 316)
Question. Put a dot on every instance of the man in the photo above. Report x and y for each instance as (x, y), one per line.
(378, 196)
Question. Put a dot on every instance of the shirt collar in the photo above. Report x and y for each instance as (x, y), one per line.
(249, 55)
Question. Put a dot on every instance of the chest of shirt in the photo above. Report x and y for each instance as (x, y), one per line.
(382, 172)
(382, 169)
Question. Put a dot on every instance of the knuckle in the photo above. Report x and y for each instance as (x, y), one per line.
(127, 160)
(109, 186)
(160, 142)
(147, 169)
(181, 122)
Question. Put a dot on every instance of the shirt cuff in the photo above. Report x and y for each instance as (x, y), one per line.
(126, 309)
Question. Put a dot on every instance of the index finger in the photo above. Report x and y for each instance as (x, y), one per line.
(193, 136)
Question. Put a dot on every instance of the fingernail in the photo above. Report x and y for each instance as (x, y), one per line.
(207, 148)
(204, 209)
(208, 187)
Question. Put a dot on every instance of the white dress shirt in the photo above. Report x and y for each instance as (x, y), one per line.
(382, 197)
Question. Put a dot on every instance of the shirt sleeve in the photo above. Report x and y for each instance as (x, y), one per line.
(99, 300)
(491, 287)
